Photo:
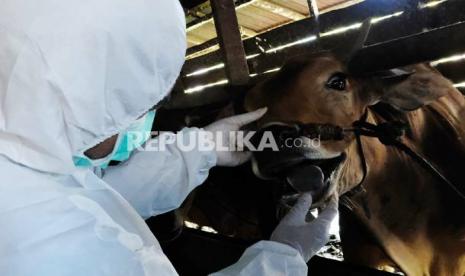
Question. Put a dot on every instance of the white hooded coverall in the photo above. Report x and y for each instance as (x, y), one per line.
(72, 74)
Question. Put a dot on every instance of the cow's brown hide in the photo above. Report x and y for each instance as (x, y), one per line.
(416, 221)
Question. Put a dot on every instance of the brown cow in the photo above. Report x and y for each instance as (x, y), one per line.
(410, 218)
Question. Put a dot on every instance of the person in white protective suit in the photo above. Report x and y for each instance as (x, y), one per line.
(74, 74)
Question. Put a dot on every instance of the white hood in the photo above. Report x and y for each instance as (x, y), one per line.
(75, 72)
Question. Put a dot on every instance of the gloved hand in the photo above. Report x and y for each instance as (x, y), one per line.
(307, 237)
(227, 125)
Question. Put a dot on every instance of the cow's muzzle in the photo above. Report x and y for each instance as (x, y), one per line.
(297, 164)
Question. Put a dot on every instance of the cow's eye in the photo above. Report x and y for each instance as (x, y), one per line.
(338, 82)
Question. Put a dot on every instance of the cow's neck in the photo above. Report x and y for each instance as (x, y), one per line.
(409, 209)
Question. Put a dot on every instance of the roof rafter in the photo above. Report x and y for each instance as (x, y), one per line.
(278, 9)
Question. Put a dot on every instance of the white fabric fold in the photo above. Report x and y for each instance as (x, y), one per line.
(73, 73)
(156, 182)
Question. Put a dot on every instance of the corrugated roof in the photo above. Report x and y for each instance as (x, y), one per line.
(256, 17)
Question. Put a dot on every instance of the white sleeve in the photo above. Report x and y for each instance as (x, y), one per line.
(158, 181)
(267, 258)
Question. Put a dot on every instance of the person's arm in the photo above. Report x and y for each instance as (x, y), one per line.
(293, 243)
(155, 182)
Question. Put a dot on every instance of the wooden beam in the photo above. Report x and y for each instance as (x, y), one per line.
(314, 14)
(382, 35)
(299, 29)
(248, 32)
(455, 71)
(410, 50)
(189, 4)
(202, 47)
(229, 37)
(194, 40)
(313, 8)
(214, 41)
(399, 26)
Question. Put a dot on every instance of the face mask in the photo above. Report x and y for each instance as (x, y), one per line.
(128, 140)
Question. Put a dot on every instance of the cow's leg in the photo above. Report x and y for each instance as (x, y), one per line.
(358, 244)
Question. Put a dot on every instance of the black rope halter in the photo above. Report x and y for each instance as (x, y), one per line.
(390, 134)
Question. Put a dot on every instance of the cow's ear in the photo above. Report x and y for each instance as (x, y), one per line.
(421, 86)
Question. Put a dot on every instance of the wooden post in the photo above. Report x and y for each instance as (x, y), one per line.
(314, 14)
(313, 8)
(229, 38)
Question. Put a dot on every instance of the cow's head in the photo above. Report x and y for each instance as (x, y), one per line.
(319, 90)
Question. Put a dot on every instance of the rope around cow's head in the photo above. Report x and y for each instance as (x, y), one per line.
(389, 133)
